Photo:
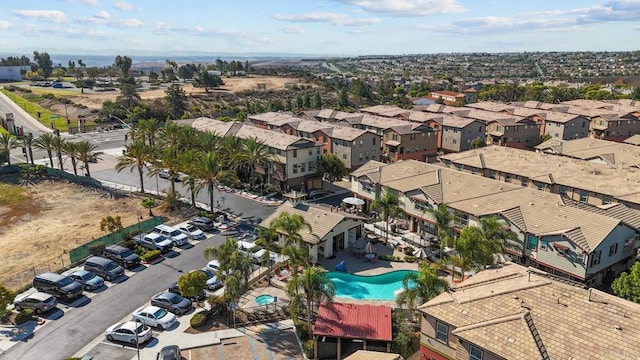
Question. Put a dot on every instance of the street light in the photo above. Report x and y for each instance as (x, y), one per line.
(122, 121)
(136, 331)
(139, 218)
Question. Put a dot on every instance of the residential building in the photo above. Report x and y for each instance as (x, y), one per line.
(457, 133)
(341, 326)
(585, 181)
(522, 134)
(633, 140)
(331, 231)
(386, 111)
(294, 159)
(411, 141)
(592, 242)
(272, 120)
(595, 151)
(613, 127)
(513, 312)
(449, 97)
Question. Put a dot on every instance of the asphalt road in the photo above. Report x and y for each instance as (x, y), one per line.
(21, 117)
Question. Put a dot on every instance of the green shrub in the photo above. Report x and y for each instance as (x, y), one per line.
(129, 244)
(410, 258)
(391, 258)
(24, 316)
(199, 318)
(303, 330)
(97, 249)
(308, 348)
(150, 255)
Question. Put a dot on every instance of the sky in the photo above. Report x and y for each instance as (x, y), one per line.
(317, 27)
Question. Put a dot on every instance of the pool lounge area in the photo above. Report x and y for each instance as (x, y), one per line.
(382, 287)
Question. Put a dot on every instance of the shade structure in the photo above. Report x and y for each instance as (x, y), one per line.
(420, 253)
(369, 248)
(353, 201)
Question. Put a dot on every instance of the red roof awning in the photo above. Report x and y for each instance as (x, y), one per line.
(354, 321)
(560, 246)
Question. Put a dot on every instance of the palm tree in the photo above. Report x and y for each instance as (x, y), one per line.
(210, 172)
(254, 154)
(7, 143)
(314, 285)
(234, 266)
(28, 141)
(150, 128)
(187, 136)
(388, 206)
(137, 155)
(45, 142)
(267, 238)
(86, 153)
(230, 148)
(171, 135)
(290, 226)
(475, 249)
(422, 286)
(169, 159)
(189, 163)
(71, 150)
(493, 229)
(444, 225)
(58, 145)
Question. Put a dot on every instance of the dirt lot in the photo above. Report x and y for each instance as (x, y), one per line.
(54, 217)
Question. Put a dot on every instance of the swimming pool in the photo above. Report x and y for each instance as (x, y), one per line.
(376, 287)
(264, 300)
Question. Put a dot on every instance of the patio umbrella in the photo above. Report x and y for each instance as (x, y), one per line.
(353, 201)
(369, 248)
(420, 253)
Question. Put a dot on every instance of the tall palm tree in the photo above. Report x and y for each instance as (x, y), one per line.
(86, 153)
(189, 163)
(234, 266)
(45, 142)
(171, 135)
(290, 226)
(314, 285)
(150, 128)
(187, 137)
(475, 249)
(254, 154)
(388, 206)
(493, 229)
(168, 158)
(444, 224)
(207, 141)
(58, 145)
(267, 239)
(230, 148)
(210, 173)
(71, 150)
(137, 156)
(7, 143)
(28, 141)
(422, 286)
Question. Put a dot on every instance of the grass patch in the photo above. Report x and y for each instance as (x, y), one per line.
(50, 90)
(11, 194)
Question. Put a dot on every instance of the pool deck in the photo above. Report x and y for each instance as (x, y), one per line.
(362, 266)
(248, 301)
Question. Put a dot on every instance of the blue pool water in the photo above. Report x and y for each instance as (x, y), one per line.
(376, 287)
(264, 300)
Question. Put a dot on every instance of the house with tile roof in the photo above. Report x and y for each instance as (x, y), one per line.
(449, 97)
(340, 327)
(331, 231)
(594, 150)
(522, 133)
(458, 133)
(514, 312)
(573, 240)
(294, 159)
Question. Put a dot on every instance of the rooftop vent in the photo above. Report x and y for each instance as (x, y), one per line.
(617, 327)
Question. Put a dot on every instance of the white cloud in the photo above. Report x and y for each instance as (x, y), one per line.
(332, 18)
(407, 7)
(123, 6)
(129, 23)
(292, 29)
(88, 2)
(103, 15)
(495, 24)
(5, 25)
(53, 16)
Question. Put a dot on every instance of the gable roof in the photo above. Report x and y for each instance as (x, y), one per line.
(353, 321)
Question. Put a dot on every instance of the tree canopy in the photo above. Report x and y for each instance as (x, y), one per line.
(331, 168)
(627, 285)
(207, 81)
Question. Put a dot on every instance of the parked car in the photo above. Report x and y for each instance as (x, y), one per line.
(212, 280)
(192, 232)
(248, 236)
(173, 288)
(37, 301)
(60, 286)
(104, 267)
(171, 352)
(202, 223)
(166, 175)
(122, 255)
(89, 280)
(153, 241)
(317, 193)
(171, 233)
(213, 266)
(155, 317)
(256, 252)
(126, 332)
(172, 302)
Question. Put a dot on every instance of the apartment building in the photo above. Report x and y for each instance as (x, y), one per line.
(294, 159)
(513, 312)
(522, 133)
(588, 182)
(594, 150)
(449, 97)
(570, 239)
(457, 133)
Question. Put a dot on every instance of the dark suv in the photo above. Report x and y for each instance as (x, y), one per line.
(57, 285)
(202, 223)
(122, 256)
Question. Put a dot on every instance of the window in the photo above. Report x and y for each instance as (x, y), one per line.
(606, 199)
(613, 249)
(455, 141)
(595, 258)
(540, 186)
(543, 245)
(442, 332)
(395, 137)
(310, 151)
(373, 153)
(563, 190)
(344, 156)
(295, 153)
(374, 141)
(295, 168)
(532, 242)
(492, 174)
(311, 166)
(584, 196)
(302, 167)
(507, 178)
(475, 353)
(361, 156)
(525, 182)
(628, 242)
(361, 141)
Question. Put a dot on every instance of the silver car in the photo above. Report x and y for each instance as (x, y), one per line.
(126, 332)
(39, 302)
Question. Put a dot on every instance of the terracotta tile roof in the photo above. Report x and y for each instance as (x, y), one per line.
(373, 355)
(519, 315)
(385, 110)
(353, 321)
(634, 140)
(612, 152)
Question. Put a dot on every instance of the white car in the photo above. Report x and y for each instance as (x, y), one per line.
(192, 232)
(155, 317)
(213, 265)
(126, 332)
(256, 252)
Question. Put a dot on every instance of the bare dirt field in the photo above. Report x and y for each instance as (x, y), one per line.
(53, 218)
